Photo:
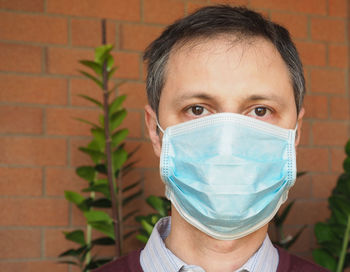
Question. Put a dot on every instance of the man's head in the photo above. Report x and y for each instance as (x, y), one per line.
(209, 23)
(223, 59)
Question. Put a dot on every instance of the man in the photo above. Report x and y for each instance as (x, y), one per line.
(225, 89)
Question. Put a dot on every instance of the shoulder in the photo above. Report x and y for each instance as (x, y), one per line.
(291, 263)
(128, 263)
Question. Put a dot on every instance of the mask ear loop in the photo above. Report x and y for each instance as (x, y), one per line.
(158, 125)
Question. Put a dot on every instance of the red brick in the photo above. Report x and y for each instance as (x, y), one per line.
(133, 123)
(329, 133)
(328, 81)
(312, 159)
(295, 23)
(144, 156)
(163, 11)
(301, 188)
(338, 55)
(61, 121)
(305, 133)
(231, 2)
(15, 119)
(60, 179)
(78, 219)
(308, 212)
(338, 8)
(56, 243)
(192, 7)
(33, 212)
(33, 28)
(322, 185)
(153, 184)
(135, 95)
(120, 10)
(20, 58)
(340, 109)
(325, 29)
(33, 90)
(337, 158)
(33, 266)
(20, 244)
(138, 37)
(66, 61)
(86, 87)
(20, 181)
(32, 151)
(316, 106)
(312, 53)
(89, 32)
(77, 157)
(33, 5)
(311, 6)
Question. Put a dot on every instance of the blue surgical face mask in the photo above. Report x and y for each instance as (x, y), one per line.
(227, 174)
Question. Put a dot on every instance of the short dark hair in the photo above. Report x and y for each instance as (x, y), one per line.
(212, 21)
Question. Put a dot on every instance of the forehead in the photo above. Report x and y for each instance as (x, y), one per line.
(225, 63)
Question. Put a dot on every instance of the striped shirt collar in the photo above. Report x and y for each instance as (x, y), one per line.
(156, 257)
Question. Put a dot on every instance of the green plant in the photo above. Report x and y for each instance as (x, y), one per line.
(282, 240)
(162, 206)
(104, 187)
(333, 235)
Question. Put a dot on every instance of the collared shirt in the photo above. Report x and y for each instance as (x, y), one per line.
(156, 257)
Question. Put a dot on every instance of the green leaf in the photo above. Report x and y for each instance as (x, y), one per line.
(103, 241)
(147, 226)
(96, 80)
(346, 165)
(295, 237)
(96, 263)
(142, 238)
(104, 227)
(76, 236)
(69, 252)
(158, 204)
(86, 172)
(74, 197)
(116, 104)
(102, 203)
(97, 216)
(300, 174)
(102, 52)
(110, 62)
(323, 258)
(69, 262)
(101, 188)
(117, 118)
(88, 98)
(131, 186)
(86, 122)
(111, 72)
(119, 136)
(119, 158)
(99, 136)
(128, 215)
(340, 202)
(324, 233)
(101, 168)
(101, 120)
(92, 65)
(131, 197)
(347, 148)
(94, 154)
(280, 219)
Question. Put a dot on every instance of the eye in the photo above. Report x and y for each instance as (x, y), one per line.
(260, 112)
(197, 110)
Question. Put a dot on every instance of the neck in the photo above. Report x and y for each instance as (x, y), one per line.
(197, 248)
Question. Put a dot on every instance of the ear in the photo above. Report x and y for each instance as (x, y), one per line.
(300, 123)
(150, 118)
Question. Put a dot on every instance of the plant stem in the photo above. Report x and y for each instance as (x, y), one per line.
(120, 211)
(345, 246)
(110, 172)
(89, 234)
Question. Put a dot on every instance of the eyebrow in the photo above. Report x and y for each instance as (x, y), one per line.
(199, 95)
(269, 97)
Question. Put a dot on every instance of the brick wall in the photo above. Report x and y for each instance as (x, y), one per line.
(40, 44)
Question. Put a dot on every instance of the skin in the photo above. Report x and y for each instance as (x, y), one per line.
(219, 75)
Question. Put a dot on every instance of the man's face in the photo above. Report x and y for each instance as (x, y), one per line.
(221, 75)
